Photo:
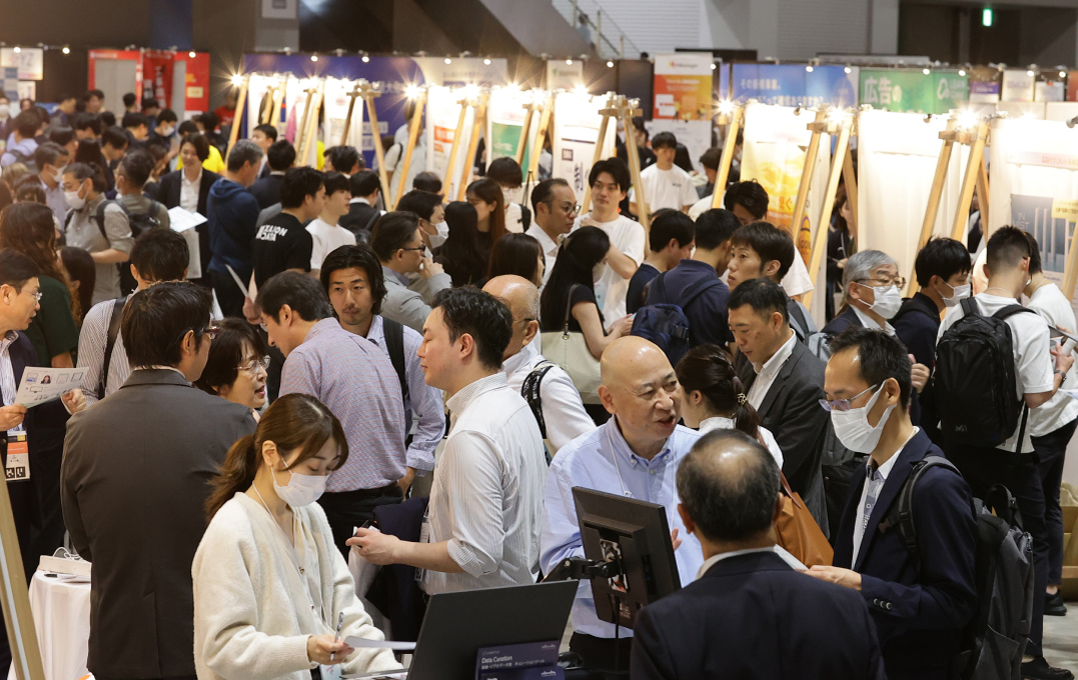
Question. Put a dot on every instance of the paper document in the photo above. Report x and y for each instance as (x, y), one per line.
(249, 291)
(42, 385)
(1073, 394)
(180, 220)
(362, 643)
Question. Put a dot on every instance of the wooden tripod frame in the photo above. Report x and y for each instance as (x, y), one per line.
(310, 123)
(609, 110)
(473, 143)
(413, 135)
(369, 93)
(241, 103)
(733, 121)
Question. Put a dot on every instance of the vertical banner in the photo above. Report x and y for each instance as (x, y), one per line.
(913, 91)
(576, 130)
(443, 114)
(336, 108)
(196, 82)
(505, 117)
(157, 76)
(683, 86)
(258, 89)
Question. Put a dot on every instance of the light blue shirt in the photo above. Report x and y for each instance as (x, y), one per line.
(602, 460)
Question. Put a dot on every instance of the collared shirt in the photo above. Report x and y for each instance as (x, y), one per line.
(189, 191)
(356, 381)
(423, 399)
(602, 460)
(487, 499)
(359, 199)
(8, 389)
(722, 423)
(92, 340)
(548, 245)
(778, 550)
(766, 374)
(868, 322)
(563, 411)
(84, 232)
(57, 202)
(875, 479)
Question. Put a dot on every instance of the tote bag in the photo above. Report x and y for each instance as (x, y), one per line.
(798, 531)
(570, 351)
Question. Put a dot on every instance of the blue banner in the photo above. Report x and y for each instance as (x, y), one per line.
(793, 85)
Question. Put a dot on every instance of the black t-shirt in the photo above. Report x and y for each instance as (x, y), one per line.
(281, 243)
(580, 294)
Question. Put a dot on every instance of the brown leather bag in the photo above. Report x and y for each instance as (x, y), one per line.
(798, 531)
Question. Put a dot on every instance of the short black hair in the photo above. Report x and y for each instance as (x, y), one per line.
(616, 168)
(421, 203)
(343, 158)
(664, 140)
(482, 316)
(336, 181)
(364, 183)
(393, 231)
(268, 130)
(201, 144)
(156, 320)
(427, 181)
(62, 135)
(360, 256)
(281, 155)
(136, 166)
(1034, 255)
(90, 94)
(87, 171)
(133, 120)
(27, 123)
(188, 127)
(298, 184)
(129, 99)
(769, 242)
(88, 121)
(734, 504)
(209, 120)
(881, 356)
(671, 224)
(227, 354)
(299, 291)
(108, 119)
(16, 269)
(47, 154)
(245, 151)
(166, 116)
(505, 171)
(749, 195)
(160, 255)
(943, 257)
(1006, 248)
(711, 158)
(115, 137)
(715, 227)
(544, 192)
(764, 296)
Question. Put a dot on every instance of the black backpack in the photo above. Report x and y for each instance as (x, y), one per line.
(665, 323)
(994, 639)
(975, 379)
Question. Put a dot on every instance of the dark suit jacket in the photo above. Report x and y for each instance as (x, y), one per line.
(134, 491)
(358, 218)
(169, 194)
(919, 616)
(752, 616)
(843, 321)
(791, 410)
(916, 325)
(267, 190)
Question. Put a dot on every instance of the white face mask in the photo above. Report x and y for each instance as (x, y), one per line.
(958, 294)
(74, 200)
(442, 235)
(853, 430)
(58, 175)
(512, 195)
(888, 300)
(167, 132)
(301, 490)
(5, 109)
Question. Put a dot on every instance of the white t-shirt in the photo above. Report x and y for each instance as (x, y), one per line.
(701, 206)
(671, 188)
(1050, 303)
(797, 281)
(514, 218)
(1032, 360)
(327, 238)
(610, 291)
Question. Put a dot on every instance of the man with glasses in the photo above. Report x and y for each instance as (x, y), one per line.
(922, 602)
(139, 512)
(399, 245)
(871, 293)
(555, 209)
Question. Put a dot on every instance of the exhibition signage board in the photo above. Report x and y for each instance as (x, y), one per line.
(793, 85)
(683, 86)
(913, 91)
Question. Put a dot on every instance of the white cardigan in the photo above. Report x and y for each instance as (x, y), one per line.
(253, 614)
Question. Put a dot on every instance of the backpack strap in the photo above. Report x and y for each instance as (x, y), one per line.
(970, 307)
(531, 390)
(525, 216)
(900, 515)
(693, 291)
(657, 290)
(99, 217)
(373, 219)
(1010, 310)
(110, 343)
(802, 322)
(1002, 315)
(394, 334)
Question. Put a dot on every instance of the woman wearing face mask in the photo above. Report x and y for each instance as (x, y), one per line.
(269, 584)
(236, 368)
(509, 176)
(486, 195)
(872, 293)
(462, 256)
(715, 398)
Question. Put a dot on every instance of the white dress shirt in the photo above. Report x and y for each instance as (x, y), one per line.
(548, 245)
(189, 191)
(766, 374)
(92, 341)
(8, 389)
(868, 322)
(778, 550)
(721, 423)
(487, 498)
(1050, 302)
(873, 485)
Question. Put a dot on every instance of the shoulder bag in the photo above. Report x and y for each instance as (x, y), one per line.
(570, 351)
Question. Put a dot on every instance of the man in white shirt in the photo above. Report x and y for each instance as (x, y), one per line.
(483, 521)
(1012, 464)
(326, 231)
(609, 181)
(665, 184)
(51, 160)
(546, 387)
(555, 209)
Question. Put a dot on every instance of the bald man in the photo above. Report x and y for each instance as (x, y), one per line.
(547, 388)
(635, 454)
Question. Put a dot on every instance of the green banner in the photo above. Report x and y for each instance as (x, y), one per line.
(913, 91)
(504, 140)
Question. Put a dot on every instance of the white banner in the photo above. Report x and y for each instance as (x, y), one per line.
(694, 134)
(576, 130)
(1017, 86)
(443, 114)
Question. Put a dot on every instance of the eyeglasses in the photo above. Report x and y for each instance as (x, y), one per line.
(37, 295)
(419, 249)
(571, 209)
(843, 405)
(213, 332)
(899, 281)
(252, 366)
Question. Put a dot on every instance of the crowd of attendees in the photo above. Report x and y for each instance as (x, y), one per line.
(257, 410)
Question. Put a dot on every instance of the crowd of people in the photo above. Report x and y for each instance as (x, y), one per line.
(326, 378)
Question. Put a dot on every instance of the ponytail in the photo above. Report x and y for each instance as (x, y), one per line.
(237, 474)
(707, 369)
(746, 418)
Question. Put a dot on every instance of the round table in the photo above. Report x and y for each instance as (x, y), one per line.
(62, 620)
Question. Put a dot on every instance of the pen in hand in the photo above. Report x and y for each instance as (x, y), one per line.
(337, 635)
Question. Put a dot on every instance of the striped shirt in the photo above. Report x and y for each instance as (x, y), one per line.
(92, 340)
(487, 500)
(356, 381)
(8, 389)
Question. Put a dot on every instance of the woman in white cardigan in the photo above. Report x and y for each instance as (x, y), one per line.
(269, 583)
(715, 398)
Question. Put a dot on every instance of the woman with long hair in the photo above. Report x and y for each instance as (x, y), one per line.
(462, 256)
(715, 398)
(269, 583)
(29, 229)
(82, 274)
(489, 202)
(520, 255)
(236, 367)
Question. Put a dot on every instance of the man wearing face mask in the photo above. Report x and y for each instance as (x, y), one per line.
(399, 245)
(98, 226)
(920, 613)
(871, 293)
(432, 227)
(508, 174)
(51, 160)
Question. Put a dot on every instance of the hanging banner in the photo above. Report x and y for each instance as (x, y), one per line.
(337, 98)
(11, 83)
(443, 114)
(576, 130)
(683, 87)
(1018, 86)
(157, 77)
(1049, 91)
(30, 61)
(913, 91)
(505, 117)
(792, 85)
(1072, 86)
(563, 75)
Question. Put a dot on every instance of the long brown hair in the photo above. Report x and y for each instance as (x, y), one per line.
(706, 368)
(29, 229)
(490, 191)
(294, 421)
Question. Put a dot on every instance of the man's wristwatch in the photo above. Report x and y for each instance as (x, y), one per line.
(1060, 373)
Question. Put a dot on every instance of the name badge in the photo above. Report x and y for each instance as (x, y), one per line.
(18, 458)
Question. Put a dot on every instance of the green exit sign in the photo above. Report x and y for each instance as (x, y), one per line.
(986, 17)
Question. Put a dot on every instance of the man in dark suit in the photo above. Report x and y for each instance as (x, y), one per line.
(871, 292)
(366, 186)
(919, 612)
(280, 157)
(178, 189)
(749, 613)
(139, 513)
(784, 382)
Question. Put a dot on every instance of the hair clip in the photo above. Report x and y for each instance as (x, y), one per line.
(742, 399)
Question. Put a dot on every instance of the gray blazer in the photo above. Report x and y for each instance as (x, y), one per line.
(134, 484)
(407, 306)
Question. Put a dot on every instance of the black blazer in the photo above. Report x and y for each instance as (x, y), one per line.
(139, 513)
(847, 318)
(752, 616)
(919, 615)
(169, 194)
(359, 219)
(267, 190)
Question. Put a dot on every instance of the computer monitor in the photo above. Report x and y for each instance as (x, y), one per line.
(635, 536)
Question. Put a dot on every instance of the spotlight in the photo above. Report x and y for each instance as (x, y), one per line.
(237, 80)
(1031, 73)
(448, 60)
(486, 62)
(610, 64)
(1062, 74)
(848, 69)
(569, 62)
(191, 54)
(726, 107)
(714, 66)
(580, 91)
(66, 50)
(411, 91)
(18, 50)
(809, 69)
(314, 57)
(967, 119)
(365, 59)
(926, 71)
(962, 72)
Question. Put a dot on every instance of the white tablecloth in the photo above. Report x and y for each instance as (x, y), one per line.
(62, 620)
